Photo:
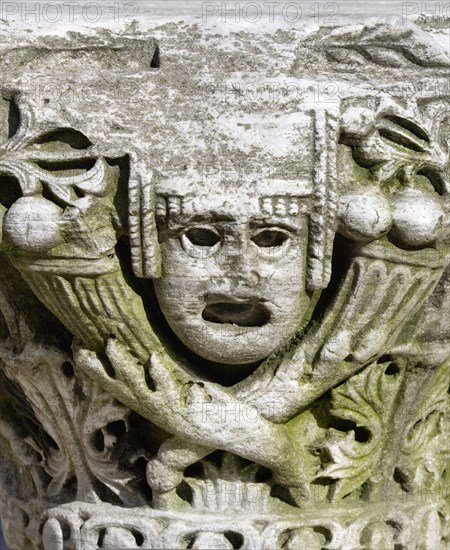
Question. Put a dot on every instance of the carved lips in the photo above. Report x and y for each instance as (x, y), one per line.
(241, 312)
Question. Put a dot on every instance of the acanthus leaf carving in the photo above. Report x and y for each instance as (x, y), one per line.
(75, 414)
(366, 403)
(424, 450)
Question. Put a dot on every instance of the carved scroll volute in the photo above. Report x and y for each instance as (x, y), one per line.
(54, 187)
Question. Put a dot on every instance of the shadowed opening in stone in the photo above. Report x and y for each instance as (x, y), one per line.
(435, 178)
(236, 539)
(13, 118)
(10, 190)
(68, 136)
(408, 125)
(156, 60)
(245, 314)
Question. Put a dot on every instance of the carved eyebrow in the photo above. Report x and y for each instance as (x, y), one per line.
(259, 224)
(208, 217)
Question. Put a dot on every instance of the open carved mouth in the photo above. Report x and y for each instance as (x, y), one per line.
(242, 314)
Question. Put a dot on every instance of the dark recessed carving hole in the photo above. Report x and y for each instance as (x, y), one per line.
(50, 196)
(140, 467)
(78, 391)
(106, 494)
(362, 434)
(384, 359)
(392, 370)
(216, 458)
(13, 118)
(284, 538)
(156, 59)
(396, 527)
(98, 441)
(148, 378)
(247, 314)
(107, 366)
(69, 136)
(49, 442)
(361, 159)
(65, 531)
(283, 494)
(138, 537)
(263, 474)
(4, 330)
(101, 538)
(79, 165)
(434, 178)
(398, 139)
(122, 165)
(402, 480)
(67, 369)
(408, 125)
(236, 539)
(79, 192)
(117, 428)
(184, 491)
(25, 518)
(195, 470)
(10, 190)
(269, 238)
(326, 533)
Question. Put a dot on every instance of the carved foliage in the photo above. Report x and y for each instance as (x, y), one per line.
(76, 428)
(365, 403)
(425, 452)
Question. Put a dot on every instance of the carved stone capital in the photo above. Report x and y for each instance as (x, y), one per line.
(224, 288)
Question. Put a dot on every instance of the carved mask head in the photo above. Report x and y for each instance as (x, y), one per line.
(234, 270)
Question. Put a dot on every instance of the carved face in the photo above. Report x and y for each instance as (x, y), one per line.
(233, 284)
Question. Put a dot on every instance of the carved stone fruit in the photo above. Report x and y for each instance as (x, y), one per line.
(418, 217)
(365, 216)
(32, 224)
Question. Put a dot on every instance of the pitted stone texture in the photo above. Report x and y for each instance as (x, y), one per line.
(223, 287)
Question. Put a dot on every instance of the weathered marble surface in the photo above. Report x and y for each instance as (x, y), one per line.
(224, 285)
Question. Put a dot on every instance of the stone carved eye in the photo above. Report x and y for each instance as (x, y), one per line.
(201, 241)
(202, 236)
(270, 238)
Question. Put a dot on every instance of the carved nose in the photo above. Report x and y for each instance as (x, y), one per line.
(242, 270)
(233, 280)
(239, 264)
(254, 278)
